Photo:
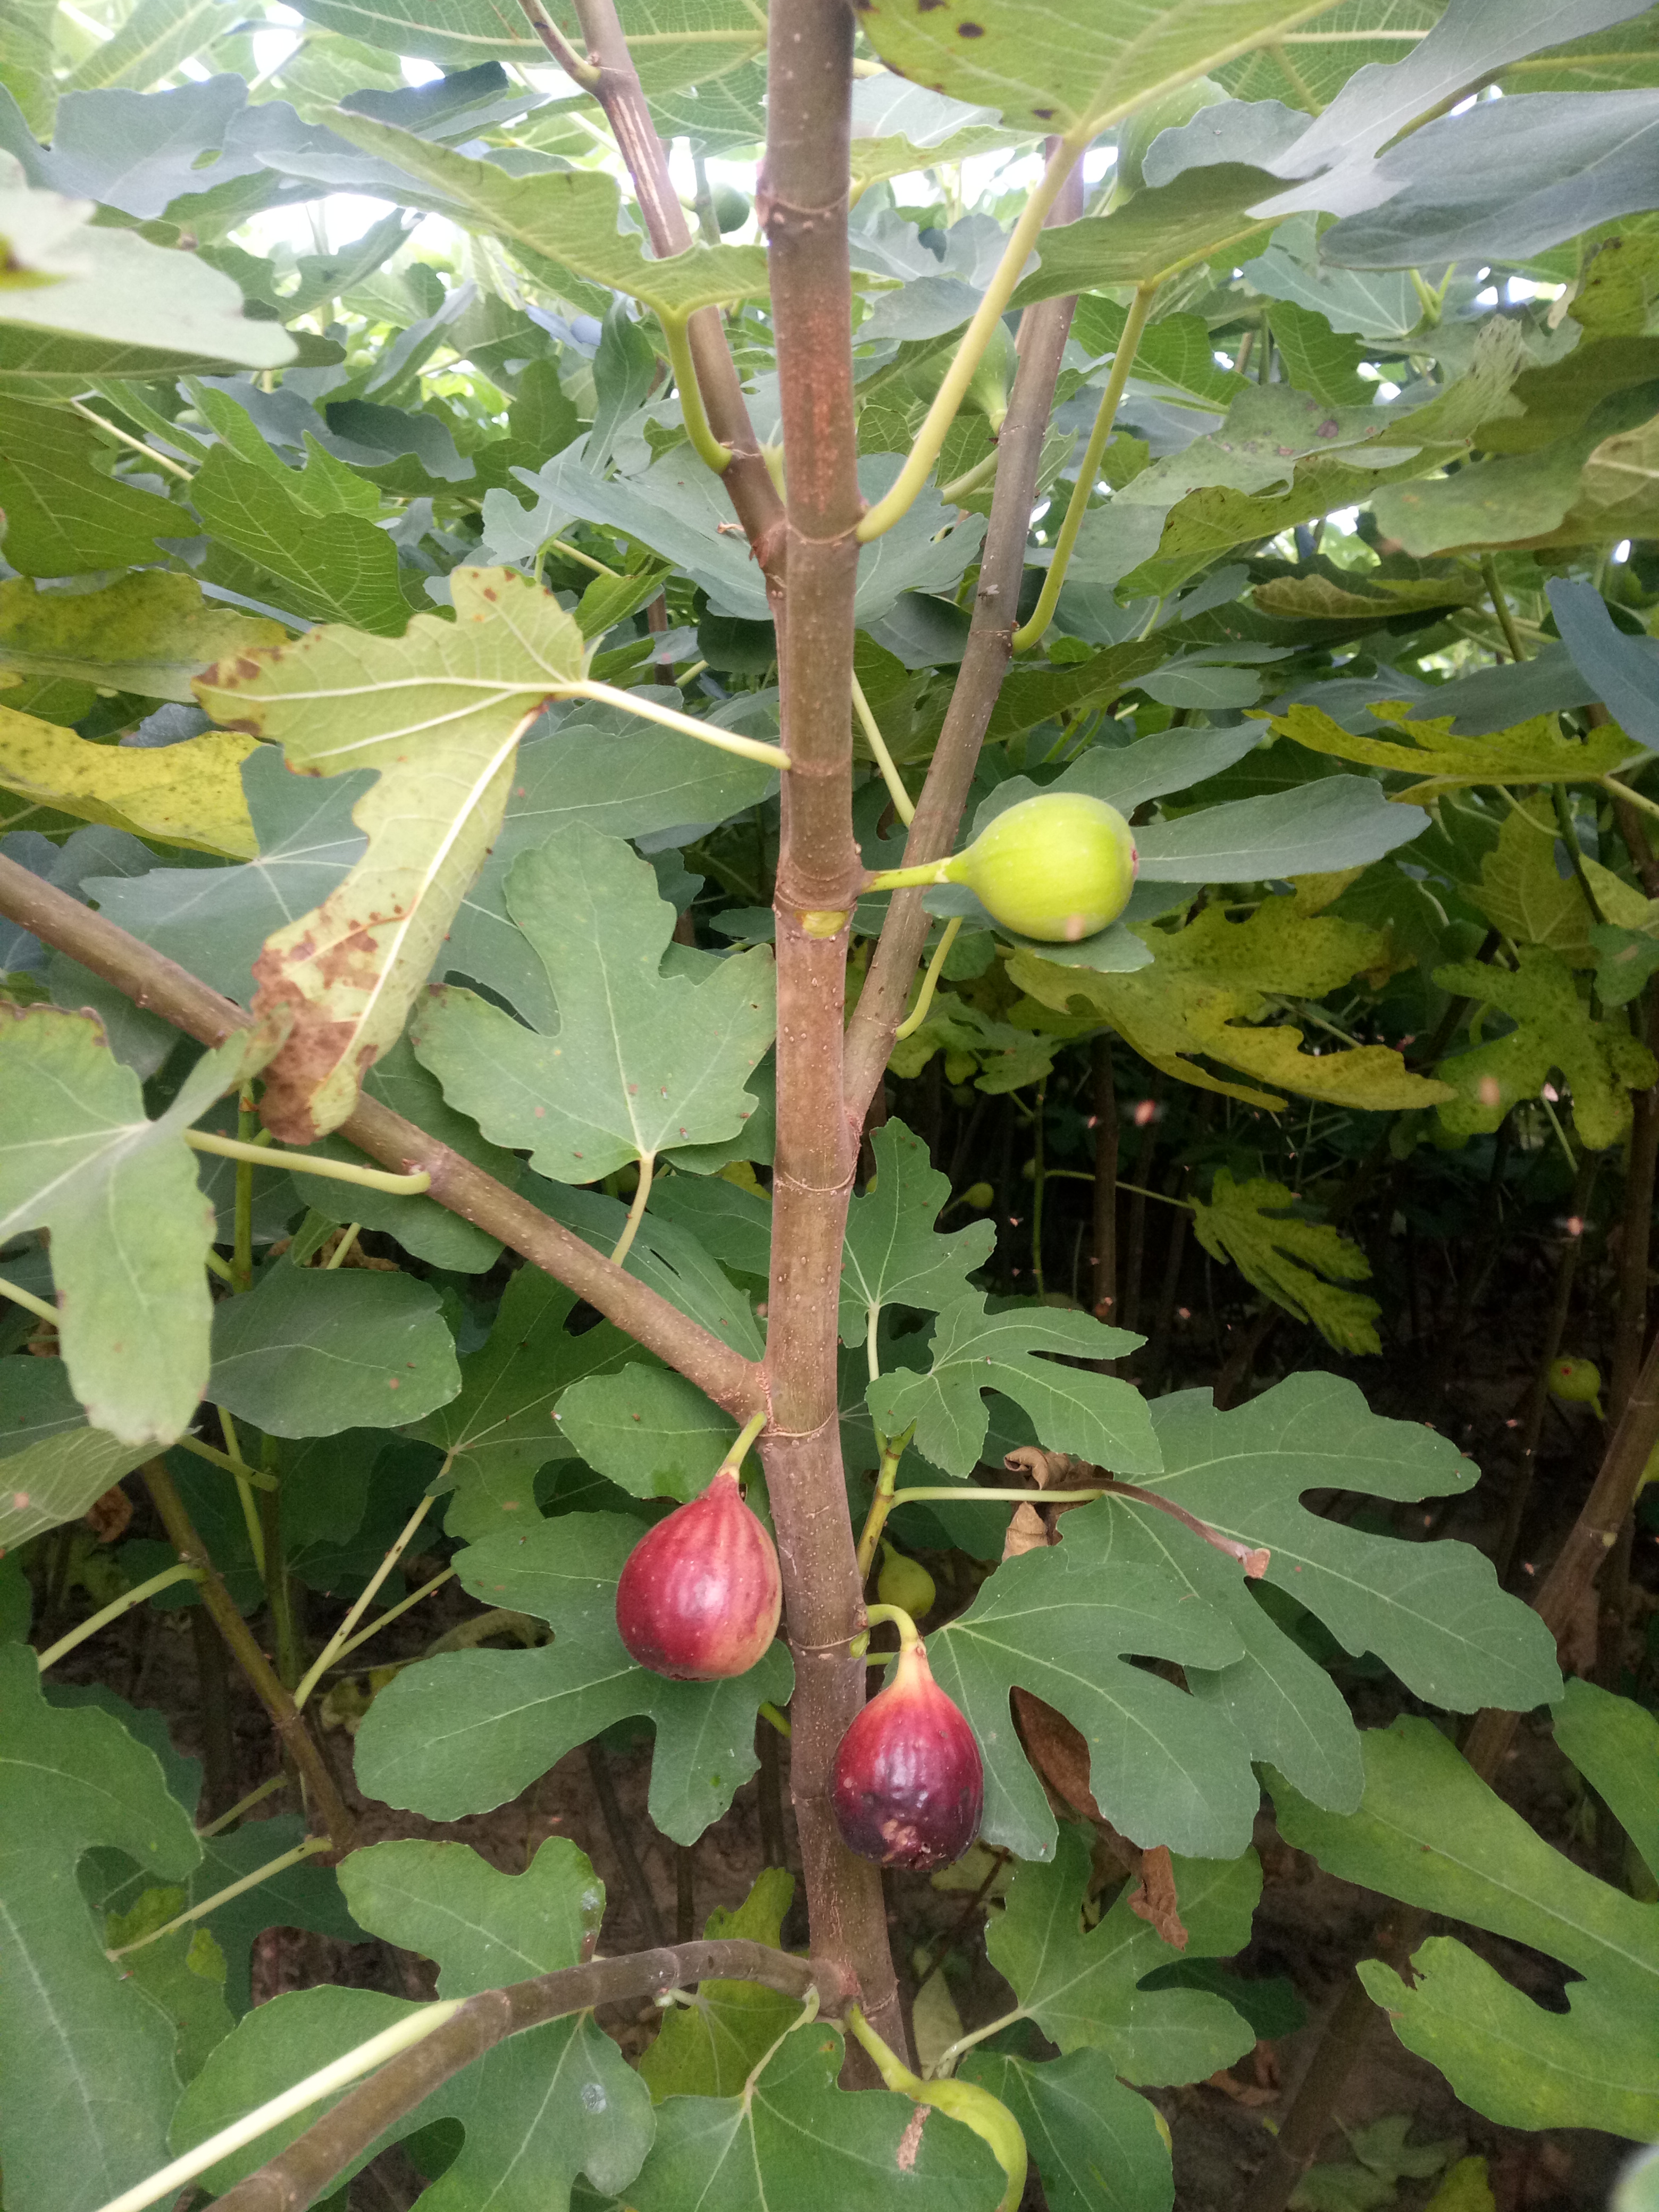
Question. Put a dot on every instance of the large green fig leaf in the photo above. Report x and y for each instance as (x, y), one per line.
(792, 2137)
(1430, 1831)
(643, 1061)
(469, 1729)
(131, 1229)
(89, 2059)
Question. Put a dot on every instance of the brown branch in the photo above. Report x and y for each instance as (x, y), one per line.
(1041, 340)
(747, 479)
(163, 987)
(298, 2176)
(321, 1791)
(802, 204)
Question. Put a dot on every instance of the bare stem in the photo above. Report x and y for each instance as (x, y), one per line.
(296, 1738)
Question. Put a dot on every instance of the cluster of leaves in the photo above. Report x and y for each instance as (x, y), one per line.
(308, 556)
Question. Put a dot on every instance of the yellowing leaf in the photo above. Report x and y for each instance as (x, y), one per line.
(1523, 894)
(187, 795)
(149, 633)
(437, 711)
(1601, 1064)
(1297, 1263)
(1531, 752)
(1209, 979)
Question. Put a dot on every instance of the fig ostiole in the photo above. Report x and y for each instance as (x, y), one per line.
(700, 1594)
(1057, 867)
(907, 1784)
(976, 2108)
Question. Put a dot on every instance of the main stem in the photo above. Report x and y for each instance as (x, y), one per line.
(804, 207)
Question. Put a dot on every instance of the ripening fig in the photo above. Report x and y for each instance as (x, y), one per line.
(907, 1784)
(905, 1583)
(700, 1594)
(1058, 866)
(1577, 1382)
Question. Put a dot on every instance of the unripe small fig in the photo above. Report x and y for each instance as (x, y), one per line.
(1058, 867)
(1577, 1382)
(905, 1583)
(731, 207)
(907, 1784)
(989, 2119)
(964, 2101)
(979, 1196)
(700, 1594)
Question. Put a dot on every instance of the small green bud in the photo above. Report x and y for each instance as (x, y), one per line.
(731, 207)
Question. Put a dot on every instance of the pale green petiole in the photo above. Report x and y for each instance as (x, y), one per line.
(263, 1155)
(728, 741)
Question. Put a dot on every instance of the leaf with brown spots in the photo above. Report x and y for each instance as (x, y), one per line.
(1071, 70)
(437, 711)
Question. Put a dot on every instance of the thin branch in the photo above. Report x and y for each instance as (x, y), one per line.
(1042, 342)
(970, 347)
(268, 1156)
(704, 443)
(320, 1786)
(584, 73)
(307, 1847)
(113, 1611)
(300, 2173)
(913, 1020)
(336, 1642)
(903, 805)
(748, 480)
(163, 987)
(1088, 472)
(42, 1308)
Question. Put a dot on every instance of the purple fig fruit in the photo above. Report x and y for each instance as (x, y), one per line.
(700, 1594)
(908, 1784)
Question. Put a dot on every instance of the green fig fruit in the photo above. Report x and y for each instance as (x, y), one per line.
(905, 1583)
(990, 2119)
(1577, 1382)
(979, 1196)
(731, 207)
(1058, 867)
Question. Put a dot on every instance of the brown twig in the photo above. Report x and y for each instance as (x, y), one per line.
(163, 987)
(616, 1828)
(321, 1791)
(1041, 340)
(300, 2174)
(748, 480)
